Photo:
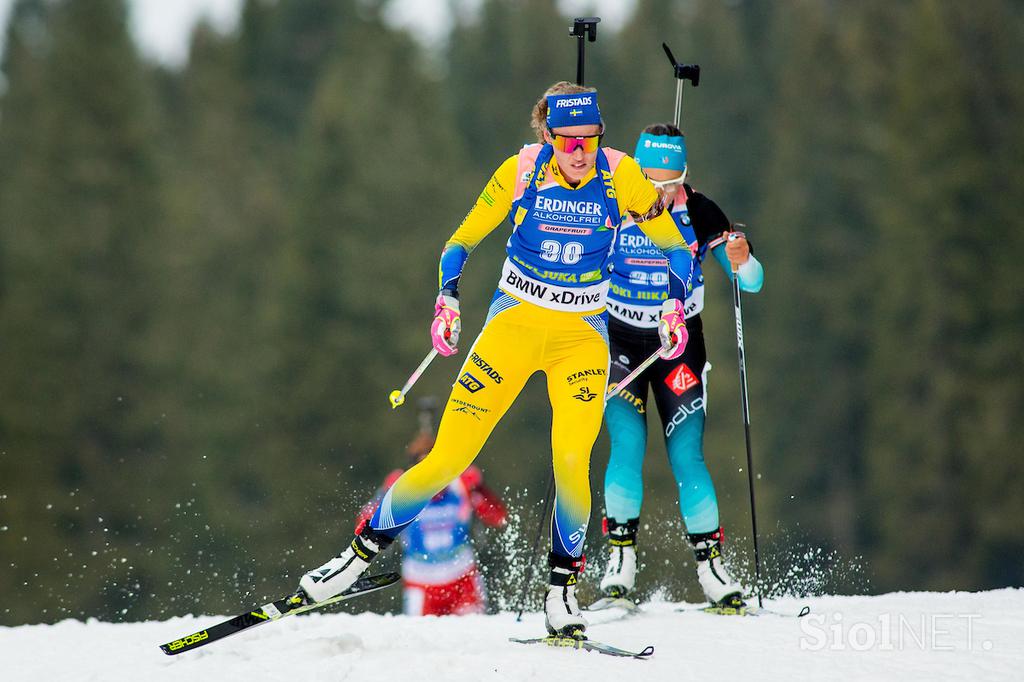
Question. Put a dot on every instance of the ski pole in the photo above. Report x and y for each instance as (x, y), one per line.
(745, 403)
(398, 397)
(691, 72)
(631, 376)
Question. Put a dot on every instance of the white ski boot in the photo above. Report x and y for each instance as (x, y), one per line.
(562, 615)
(620, 573)
(339, 574)
(719, 587)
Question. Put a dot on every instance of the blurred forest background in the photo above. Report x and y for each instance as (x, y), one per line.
(211, 278)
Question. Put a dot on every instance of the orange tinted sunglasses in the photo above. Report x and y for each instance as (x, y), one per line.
(567, 144)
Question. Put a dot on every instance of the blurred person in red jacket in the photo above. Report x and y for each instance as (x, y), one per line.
(439, 568)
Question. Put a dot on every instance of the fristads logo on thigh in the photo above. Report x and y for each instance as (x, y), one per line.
(486, 368)
(470, 382)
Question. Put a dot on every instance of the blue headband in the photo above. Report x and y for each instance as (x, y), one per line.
(577, 109)
(661, 151)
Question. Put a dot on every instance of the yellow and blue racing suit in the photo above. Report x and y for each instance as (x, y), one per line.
(548, 314)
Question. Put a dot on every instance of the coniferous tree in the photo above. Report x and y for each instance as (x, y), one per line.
(226, 208)
(499, 65)
(374, 203)
(814, 193)
(80, 297)
(945, 145)
(284, 46)
(26, 476)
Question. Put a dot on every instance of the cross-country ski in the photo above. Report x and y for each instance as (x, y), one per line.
(292, 605)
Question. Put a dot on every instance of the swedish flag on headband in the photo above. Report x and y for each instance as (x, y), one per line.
(575, 109)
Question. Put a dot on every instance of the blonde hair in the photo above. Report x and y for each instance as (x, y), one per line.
(539, 116)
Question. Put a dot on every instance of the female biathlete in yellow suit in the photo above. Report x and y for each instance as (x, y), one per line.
(565, 199)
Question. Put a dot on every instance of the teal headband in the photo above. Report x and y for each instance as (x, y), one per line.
(661, 151)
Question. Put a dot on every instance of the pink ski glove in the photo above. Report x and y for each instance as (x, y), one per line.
(672, 329)
(444, 332)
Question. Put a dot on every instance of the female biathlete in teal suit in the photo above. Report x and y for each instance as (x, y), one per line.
(639, 284)
(564, 198)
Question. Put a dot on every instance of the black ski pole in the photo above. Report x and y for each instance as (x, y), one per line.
(583, 28)
(691, 72)
(745, 403)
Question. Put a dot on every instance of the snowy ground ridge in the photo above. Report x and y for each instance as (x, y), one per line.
(900, 636)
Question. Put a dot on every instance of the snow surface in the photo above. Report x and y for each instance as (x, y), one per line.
(900, 636)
